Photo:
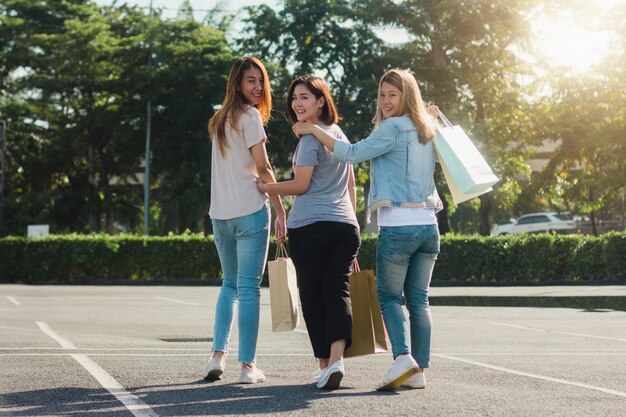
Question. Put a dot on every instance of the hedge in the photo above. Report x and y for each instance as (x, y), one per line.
(81, 259)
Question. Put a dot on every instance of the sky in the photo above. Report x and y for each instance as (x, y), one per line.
(557, 37)
(200, 7)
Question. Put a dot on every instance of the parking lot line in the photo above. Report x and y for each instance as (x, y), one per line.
(176, 301)
(535, 329)
(536, 376)
(130, 401)
(13, 300)
(65, 344)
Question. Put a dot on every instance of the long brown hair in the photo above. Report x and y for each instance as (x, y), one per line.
(411, 104)
(234, 102)
(319, 88)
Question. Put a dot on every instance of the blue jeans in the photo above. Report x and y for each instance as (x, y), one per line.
(405, 258)
(242, 245)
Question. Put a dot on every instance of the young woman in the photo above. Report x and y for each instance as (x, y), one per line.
(403, 191)
(240, 213)
(323, 230)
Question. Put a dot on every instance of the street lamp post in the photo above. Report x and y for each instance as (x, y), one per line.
(3, 126)
(146, 179)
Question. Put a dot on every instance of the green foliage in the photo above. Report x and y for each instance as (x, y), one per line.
(79, 259)
(471, 259)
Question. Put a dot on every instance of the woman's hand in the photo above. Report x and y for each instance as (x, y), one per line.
(302, 128)
(280, 229)
(433, 110)
(261, 186)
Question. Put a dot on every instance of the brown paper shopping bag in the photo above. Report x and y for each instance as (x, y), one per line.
(368, 330)
(283, 292)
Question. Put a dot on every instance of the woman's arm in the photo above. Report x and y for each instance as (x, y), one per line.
(298, 185)
(304, 128)
(381, 141)
(352, 188)
(266, 174)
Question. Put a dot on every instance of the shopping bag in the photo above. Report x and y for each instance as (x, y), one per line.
(283, 291)
(368, 330)
(467, 173)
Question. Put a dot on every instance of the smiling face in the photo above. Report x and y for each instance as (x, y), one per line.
(390, 100)
(251, 87)
(305, 105)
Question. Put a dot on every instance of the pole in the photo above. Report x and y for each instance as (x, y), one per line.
(3, 126)
(146, 179)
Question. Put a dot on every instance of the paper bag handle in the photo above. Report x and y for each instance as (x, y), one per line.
(281, 251)
(445, 119)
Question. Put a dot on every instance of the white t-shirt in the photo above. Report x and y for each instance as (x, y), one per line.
(233, 176)
(405, 216)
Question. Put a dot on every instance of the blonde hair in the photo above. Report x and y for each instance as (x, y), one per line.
(411, 103)
(234, 102)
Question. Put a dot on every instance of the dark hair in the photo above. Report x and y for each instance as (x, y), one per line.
(318, 87)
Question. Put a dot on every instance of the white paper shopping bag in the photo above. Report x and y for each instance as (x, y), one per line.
(283, 292)
(467, 173)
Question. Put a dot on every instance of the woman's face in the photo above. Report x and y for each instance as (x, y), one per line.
(252, 86)
(390, 100)
(305, 105)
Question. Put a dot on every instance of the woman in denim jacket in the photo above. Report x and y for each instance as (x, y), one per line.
(404, 194)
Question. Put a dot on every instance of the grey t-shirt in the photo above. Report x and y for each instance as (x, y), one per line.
(327, 198)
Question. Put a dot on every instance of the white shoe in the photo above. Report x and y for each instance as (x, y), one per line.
(402, 369)
(316, 375)
(214, 369)
(417, 381)
(251, 375)
(331, 376)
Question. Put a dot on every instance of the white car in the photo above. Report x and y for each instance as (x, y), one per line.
(538, 223)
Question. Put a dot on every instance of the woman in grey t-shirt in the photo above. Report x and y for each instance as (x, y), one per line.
(323, 230)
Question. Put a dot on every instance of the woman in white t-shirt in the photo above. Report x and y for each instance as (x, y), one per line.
(323, 229)
(240, 213)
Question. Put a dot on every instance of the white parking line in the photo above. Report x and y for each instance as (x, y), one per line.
(526, 374)
(176, 301)
(14, 301)
(65, 344)
(534, 329)
(132, 402)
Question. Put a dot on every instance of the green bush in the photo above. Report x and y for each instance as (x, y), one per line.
(80, 259)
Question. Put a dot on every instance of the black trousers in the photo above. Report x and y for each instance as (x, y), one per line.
(323, 253)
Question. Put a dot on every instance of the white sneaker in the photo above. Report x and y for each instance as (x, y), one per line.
(251, 375)
(214, 369)
(316, 375)
(402, 369)
(331, 376)
(417, 381)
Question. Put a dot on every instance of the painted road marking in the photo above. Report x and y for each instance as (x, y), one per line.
(65, 344)
(526, 374)
(130, 401)
(534, 329)
(14, 301)
(176, 301)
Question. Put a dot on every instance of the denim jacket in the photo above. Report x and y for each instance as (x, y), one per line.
(401, 173)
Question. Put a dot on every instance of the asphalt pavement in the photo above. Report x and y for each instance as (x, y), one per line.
(139, 350)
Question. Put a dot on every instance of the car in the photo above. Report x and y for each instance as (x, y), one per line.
(538, 223)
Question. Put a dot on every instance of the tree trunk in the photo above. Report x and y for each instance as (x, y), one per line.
(486, 205)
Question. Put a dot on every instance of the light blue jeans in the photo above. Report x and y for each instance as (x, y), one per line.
(405, 257)
(242, 245)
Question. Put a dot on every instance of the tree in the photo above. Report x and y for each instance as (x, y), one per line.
(464, 54)
(77, 113)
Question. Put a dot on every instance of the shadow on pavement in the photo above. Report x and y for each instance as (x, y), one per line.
(583, 303)
(195, 398)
